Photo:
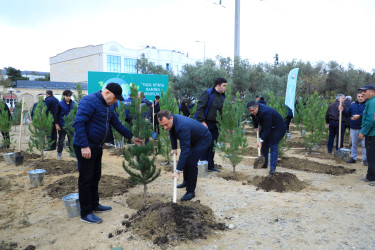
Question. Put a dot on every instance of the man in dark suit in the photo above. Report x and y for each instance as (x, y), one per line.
(273, 129)
(195, 139)
(51, 102)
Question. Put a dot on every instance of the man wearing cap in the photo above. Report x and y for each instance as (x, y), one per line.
(368, 130)
(92, 124)
(63, 109)
(273, 129)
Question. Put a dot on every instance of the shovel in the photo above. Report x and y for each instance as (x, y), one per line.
(154, 134)
(174, 180)
(341, 154)
(259, 162)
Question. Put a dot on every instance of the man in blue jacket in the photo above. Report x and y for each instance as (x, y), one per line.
(194, 139)
(355, 112)
(51, 102)
(63, 109)
(92, 124)
(272, 131)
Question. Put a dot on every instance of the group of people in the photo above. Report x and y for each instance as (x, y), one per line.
(360, 116)
(59, 110)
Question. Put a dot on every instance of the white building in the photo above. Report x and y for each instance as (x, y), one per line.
(73, 65)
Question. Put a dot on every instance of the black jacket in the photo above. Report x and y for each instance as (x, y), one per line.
(333, 113)
(216, 105)
(51, 102)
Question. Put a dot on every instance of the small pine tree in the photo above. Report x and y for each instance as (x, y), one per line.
(141, 166)
(5, 123)
(40, 128)
(278, 103)
(121, 113)
(167, 102)
(313, 119)
(16, 115)
(232, 138)
(69, 119)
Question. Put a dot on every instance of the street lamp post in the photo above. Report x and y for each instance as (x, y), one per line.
(204, 49)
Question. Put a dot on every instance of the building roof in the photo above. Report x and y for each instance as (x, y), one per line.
(25, 84)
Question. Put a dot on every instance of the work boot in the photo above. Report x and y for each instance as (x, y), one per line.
(59, 157)
(351, 160)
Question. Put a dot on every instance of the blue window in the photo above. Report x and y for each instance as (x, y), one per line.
(130, 65)
(113, 63)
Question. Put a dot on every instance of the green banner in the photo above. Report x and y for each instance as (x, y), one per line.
(151, 85)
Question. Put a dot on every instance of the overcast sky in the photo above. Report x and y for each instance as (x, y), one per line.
(32, 31)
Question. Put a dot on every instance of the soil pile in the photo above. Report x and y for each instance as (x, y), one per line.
(55, 167)
(168, 223)
(279, 182)
(26, 156)
(109, 186)
(314, 167)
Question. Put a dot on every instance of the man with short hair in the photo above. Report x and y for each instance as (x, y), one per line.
(273, 129)
(210, 102)
(92, 124)
(63, 109)
(51, 102)
(368, 130)
(355, 113)
(194, 141)
(332, 123)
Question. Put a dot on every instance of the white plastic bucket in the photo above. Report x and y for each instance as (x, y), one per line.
(202, 168)
(71, 202)
(288, 136)
(9, 158)
(36, 177)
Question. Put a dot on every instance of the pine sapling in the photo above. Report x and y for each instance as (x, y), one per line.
(41, 127)
(5, 124)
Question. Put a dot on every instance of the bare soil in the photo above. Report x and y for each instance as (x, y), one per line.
(323, 206)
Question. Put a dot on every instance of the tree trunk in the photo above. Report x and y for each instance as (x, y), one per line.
(234, 172)
(144, 194)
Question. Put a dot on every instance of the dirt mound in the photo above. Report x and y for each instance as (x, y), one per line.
(26, 156)
(56, 167)
(229, 176)
(5, 184)
(135, 201)
(109, 186)
(279, 182)
(312, 166)
(168, 223)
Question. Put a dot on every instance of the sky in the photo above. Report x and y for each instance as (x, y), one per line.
(32, 31)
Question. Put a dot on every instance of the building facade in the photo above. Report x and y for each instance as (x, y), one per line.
(73, 65)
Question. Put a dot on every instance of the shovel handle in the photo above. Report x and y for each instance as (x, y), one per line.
(258, 143)
(174, 180)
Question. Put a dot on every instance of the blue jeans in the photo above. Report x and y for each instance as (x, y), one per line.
(273, 144)
(334, 132)
(355, 141)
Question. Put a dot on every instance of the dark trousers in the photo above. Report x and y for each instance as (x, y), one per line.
(52, 137)
(370, 153)
(191, 169)
(210, 153)
(6, 139)
(90, 171)
(60, 144)
(272, 144)
(287, 121)
(334, 132)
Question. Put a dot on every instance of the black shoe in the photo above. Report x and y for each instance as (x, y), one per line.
(264, 166)
(102, 208)
(213, 170)
(91, 218)
(188, 196)
(366, 180)
(365, 163)
(182, 185)
(351, 160)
